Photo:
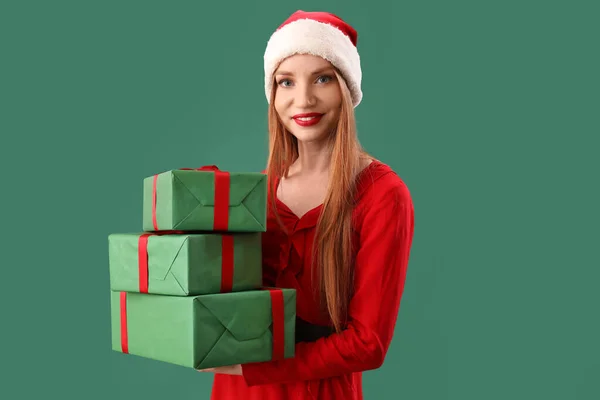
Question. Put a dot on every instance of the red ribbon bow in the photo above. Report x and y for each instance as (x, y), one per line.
(221, 212)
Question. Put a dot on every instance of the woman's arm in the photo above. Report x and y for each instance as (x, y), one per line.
(381, 265)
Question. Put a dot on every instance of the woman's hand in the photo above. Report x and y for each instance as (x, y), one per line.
(227, 370)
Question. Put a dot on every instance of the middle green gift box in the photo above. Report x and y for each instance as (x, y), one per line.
(206, 331)
(185, 264)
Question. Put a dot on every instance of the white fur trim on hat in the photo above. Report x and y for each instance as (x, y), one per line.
(307, 36)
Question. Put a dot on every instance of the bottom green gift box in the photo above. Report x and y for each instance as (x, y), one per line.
(208, 330)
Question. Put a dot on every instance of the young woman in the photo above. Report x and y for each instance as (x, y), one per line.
(340, 223)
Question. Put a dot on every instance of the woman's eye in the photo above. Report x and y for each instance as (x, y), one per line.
(324, 79)
(283, 82)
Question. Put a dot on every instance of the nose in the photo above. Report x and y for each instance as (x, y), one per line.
(305, 96)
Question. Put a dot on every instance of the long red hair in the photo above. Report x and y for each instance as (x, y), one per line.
(333, 245)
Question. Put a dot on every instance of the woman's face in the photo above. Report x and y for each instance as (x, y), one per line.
(308, 97)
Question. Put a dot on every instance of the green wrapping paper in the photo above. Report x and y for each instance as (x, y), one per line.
(185, 264)
(206, 200)
(205, 331)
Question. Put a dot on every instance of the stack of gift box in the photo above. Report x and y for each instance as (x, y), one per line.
(187, 288)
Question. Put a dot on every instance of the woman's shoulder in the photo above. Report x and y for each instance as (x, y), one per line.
(382, 196)
(377, 182)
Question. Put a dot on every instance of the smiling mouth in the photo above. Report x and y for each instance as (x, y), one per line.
(307, 119)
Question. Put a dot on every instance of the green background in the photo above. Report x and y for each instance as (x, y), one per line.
(487, 110)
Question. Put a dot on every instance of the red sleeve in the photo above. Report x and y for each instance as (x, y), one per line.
(381, 265)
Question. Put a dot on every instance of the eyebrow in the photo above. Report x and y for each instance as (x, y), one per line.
(319, 71)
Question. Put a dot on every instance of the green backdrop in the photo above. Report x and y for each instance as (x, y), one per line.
(487, 110)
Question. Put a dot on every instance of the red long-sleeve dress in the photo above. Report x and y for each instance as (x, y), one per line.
(330, 367)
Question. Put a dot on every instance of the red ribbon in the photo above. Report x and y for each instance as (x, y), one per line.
(222, 184)
(277, 314)
(227, 263)
(143, 262)
(124, 337)
(221, 198)
(227, 260)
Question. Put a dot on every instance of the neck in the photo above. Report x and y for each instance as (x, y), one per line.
(313, 158)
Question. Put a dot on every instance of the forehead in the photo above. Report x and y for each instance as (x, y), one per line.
(303, 64)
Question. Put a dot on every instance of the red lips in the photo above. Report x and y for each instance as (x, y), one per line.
(307, 115)
(314, 119)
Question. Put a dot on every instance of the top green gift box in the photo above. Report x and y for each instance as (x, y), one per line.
(205, 199)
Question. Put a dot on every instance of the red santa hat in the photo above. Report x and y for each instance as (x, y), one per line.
(321, 34)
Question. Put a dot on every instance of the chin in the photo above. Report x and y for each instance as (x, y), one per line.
(307, 135)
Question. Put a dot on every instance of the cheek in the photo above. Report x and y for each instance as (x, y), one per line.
(280, 113)
(280, 101)
(334, 99)
(334, 104)
(280, 109)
